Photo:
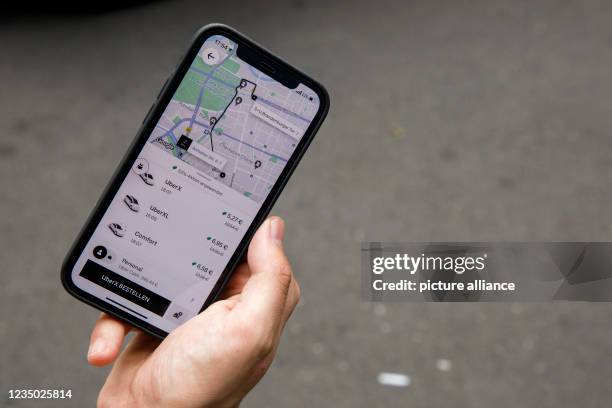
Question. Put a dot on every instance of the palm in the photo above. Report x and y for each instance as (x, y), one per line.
(171, 370)
(215, 358)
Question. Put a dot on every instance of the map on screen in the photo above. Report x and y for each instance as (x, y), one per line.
(232, 122)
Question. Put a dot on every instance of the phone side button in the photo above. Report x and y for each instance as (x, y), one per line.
(148, 113)
(163, 87)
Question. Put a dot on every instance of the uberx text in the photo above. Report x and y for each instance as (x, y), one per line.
(413, 264)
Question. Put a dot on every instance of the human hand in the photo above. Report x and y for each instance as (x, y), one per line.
(215, 358)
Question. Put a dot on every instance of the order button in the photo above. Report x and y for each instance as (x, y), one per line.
(125, 288)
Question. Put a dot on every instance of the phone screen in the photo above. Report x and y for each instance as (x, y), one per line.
(199, 181)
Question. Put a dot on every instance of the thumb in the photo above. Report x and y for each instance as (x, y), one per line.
(265, 293)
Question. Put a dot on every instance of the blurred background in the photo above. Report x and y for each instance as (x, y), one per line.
(450, 120)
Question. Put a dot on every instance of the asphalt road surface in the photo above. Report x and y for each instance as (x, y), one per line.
(450, 120)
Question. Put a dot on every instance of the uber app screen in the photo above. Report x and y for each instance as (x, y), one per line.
(197, 185)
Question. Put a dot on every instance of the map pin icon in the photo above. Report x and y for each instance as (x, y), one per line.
(257, 164)
(238, 100)
(213, 120)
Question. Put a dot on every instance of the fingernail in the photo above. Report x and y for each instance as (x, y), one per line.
(277, 230)
(97, 347)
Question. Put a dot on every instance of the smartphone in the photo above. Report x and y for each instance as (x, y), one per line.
(212, 156)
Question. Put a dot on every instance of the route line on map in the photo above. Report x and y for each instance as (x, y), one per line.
(242, 84)
(261, 99)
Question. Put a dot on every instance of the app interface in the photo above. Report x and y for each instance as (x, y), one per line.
(178, 217)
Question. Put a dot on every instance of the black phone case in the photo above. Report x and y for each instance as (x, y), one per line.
(139, 142)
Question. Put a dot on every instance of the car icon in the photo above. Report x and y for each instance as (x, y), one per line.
(147, 178)
(131, 202)
(117, 229)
